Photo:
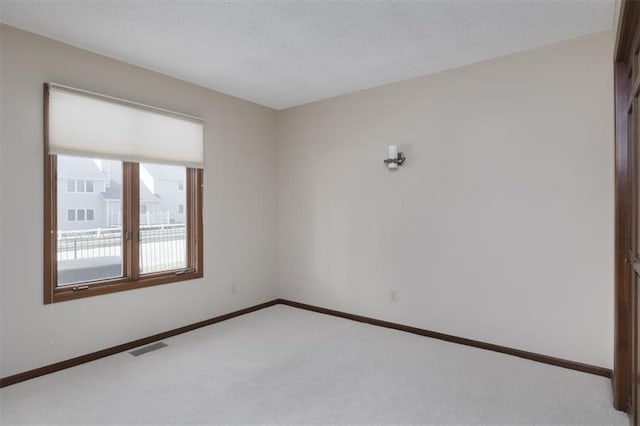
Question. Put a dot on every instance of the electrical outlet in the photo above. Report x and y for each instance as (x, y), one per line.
(234, 288)
(393, 296)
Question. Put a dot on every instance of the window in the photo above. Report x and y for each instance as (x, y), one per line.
(76, 215)
(79, 185)
(181, 185)
(127, 234)
(88, 251)
(163, 244)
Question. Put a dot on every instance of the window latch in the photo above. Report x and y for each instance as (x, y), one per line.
(185, 271)
(80, 287)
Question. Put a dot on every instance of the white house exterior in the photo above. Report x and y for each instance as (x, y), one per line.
(90, 194)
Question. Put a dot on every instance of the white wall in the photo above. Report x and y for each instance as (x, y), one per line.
(240, 208)
(500, 225)
(498, 228)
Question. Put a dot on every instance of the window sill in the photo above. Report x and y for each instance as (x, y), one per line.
(63, 294)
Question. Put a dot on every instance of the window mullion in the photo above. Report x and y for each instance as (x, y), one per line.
(189, 218)
(131, 223)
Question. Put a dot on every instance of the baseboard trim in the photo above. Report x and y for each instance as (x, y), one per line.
(62, 365)
(559, 362)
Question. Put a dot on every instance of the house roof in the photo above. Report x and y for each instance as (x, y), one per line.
(79, 168)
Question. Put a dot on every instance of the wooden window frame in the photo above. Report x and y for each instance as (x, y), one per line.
(131, 279)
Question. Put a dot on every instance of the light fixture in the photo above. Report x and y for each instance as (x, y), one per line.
(394, 158)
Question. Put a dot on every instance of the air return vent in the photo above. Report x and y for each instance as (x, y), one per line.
(149, 348)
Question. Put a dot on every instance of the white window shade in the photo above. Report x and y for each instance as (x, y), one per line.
(88, 124)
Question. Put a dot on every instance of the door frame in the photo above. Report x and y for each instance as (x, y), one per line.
(623, 306)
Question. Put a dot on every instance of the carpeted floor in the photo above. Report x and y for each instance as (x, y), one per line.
(285, 365)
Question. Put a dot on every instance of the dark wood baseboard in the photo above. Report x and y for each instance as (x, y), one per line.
(21, 377)
(559, 362)
(37, 372)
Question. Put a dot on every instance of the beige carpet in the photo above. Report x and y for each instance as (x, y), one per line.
(285, 365)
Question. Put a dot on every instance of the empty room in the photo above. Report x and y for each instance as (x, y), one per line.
(319, 212)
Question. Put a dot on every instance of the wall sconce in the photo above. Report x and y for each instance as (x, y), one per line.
(394, 158)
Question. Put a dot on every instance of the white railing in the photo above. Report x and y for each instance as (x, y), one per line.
(162, 247)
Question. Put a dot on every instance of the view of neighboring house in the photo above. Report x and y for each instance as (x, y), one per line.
(81, 183)
(90, 194)
(167, 183)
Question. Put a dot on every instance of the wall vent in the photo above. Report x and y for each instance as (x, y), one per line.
(150, 348)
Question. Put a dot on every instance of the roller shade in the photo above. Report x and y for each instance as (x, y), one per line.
(88, 124)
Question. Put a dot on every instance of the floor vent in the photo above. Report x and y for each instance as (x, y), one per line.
(149, 348)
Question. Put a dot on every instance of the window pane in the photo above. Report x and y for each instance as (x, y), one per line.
(89, 243)
(71, 185)
(163, 243)
(89, 186)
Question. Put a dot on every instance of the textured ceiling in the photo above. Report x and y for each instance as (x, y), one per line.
(283, 53)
